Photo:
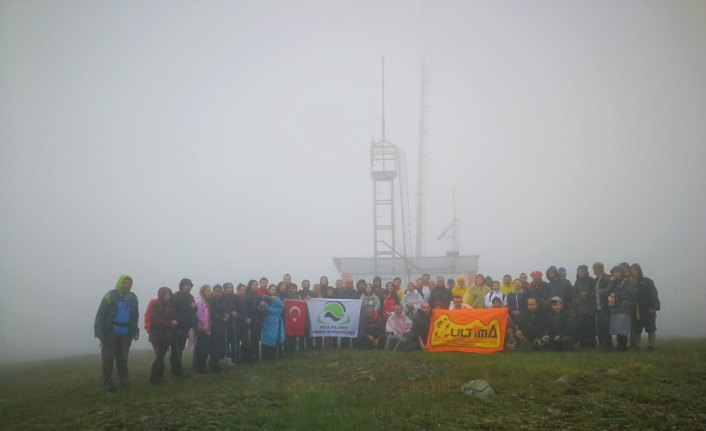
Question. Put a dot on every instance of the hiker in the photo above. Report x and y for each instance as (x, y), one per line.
(397, 285)
(622, 295)
(647, 307)
(250, 317)
(230, 300)
(370, 300)
(460, 288)
(116, 328)
(425, 287)
(517, 300)
(495, 293)
(185, 308)
(557, 286)
(371, 330)
(271, 306)
(440, 296)
(507, 287)
(585, 308)
(220, 313)
(475, 295)
(531, 326)
(458, 304)
(411, 301)
(389, 300)
(560, 328)
(537, 286)
(163, 321)
(602, 281)
(203, 330)
(420, 328)
(397, 328)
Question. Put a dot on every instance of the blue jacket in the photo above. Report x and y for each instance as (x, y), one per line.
(272, 324)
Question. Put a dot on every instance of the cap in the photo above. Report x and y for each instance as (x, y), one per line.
(535, 274)
(556, 299)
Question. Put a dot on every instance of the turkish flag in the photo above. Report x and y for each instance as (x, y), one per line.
(294, 318)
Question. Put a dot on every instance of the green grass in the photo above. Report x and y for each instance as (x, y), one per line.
(358, 390)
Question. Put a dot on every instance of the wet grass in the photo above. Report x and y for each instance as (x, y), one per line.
(350, 389)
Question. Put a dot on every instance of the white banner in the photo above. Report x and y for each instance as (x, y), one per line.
(334, 317)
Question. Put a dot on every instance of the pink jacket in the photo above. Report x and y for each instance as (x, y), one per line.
(203, 316)
(399, 325)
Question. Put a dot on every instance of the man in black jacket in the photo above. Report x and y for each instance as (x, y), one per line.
(602, 281)
(560, 333)
(585, 308)
(532, 326)
(647, 307)
(185, 307)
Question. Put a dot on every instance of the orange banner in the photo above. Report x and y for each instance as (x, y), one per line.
(475, 331)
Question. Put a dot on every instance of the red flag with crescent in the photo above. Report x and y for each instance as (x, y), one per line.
(294, 318)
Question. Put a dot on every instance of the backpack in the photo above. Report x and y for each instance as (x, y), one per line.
(148, 314)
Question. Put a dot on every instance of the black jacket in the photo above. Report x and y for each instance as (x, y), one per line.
(185, 314)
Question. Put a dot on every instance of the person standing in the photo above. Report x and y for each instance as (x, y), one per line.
(585, 308)
(647, 307)
(441, 295)
(203, 330)
(116, 328)
(185, 308)
(475, 295)
(250, 317)
(602, 281)
(622, 296)
(163, 322)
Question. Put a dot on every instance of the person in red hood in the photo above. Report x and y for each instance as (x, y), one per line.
(163, 321)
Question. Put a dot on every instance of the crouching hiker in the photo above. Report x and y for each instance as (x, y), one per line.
(561, 328)
(162, 326)
(116, 327)
(532, 326)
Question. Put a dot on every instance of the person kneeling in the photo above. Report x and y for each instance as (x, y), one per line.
(398, 328)
(532, 326)
(561, 327)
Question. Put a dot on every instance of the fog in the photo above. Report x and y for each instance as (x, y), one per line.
(223, 141)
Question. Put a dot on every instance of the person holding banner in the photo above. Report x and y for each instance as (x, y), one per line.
(420, 328)
(371, 333)
(398, 328)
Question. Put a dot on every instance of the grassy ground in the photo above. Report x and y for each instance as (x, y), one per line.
(357, 390)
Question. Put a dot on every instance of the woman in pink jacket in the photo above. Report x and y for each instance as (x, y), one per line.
(203, 329)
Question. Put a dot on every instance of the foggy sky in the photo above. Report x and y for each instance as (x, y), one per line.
(223, 141)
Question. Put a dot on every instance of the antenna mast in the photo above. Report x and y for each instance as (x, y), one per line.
(422, 166)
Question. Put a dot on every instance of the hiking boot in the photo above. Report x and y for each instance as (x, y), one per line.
(110, 387)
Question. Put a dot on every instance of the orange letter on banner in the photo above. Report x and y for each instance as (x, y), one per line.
(475, 331)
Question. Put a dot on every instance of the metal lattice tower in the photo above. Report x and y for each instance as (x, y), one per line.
(387, 161)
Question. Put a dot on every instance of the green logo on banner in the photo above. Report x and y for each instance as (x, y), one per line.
(334, 312)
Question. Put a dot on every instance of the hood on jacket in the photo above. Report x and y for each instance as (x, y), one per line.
(163, 291)
(119, 284)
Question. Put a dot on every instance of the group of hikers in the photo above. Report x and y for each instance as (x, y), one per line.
(229, 324)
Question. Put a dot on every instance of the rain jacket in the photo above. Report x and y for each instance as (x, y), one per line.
(272, 324)
(108, 307)
(475, 296)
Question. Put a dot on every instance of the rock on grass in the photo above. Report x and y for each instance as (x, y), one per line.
(479, 388)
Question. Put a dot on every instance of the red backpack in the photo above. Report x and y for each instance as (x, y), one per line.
(148, 314)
